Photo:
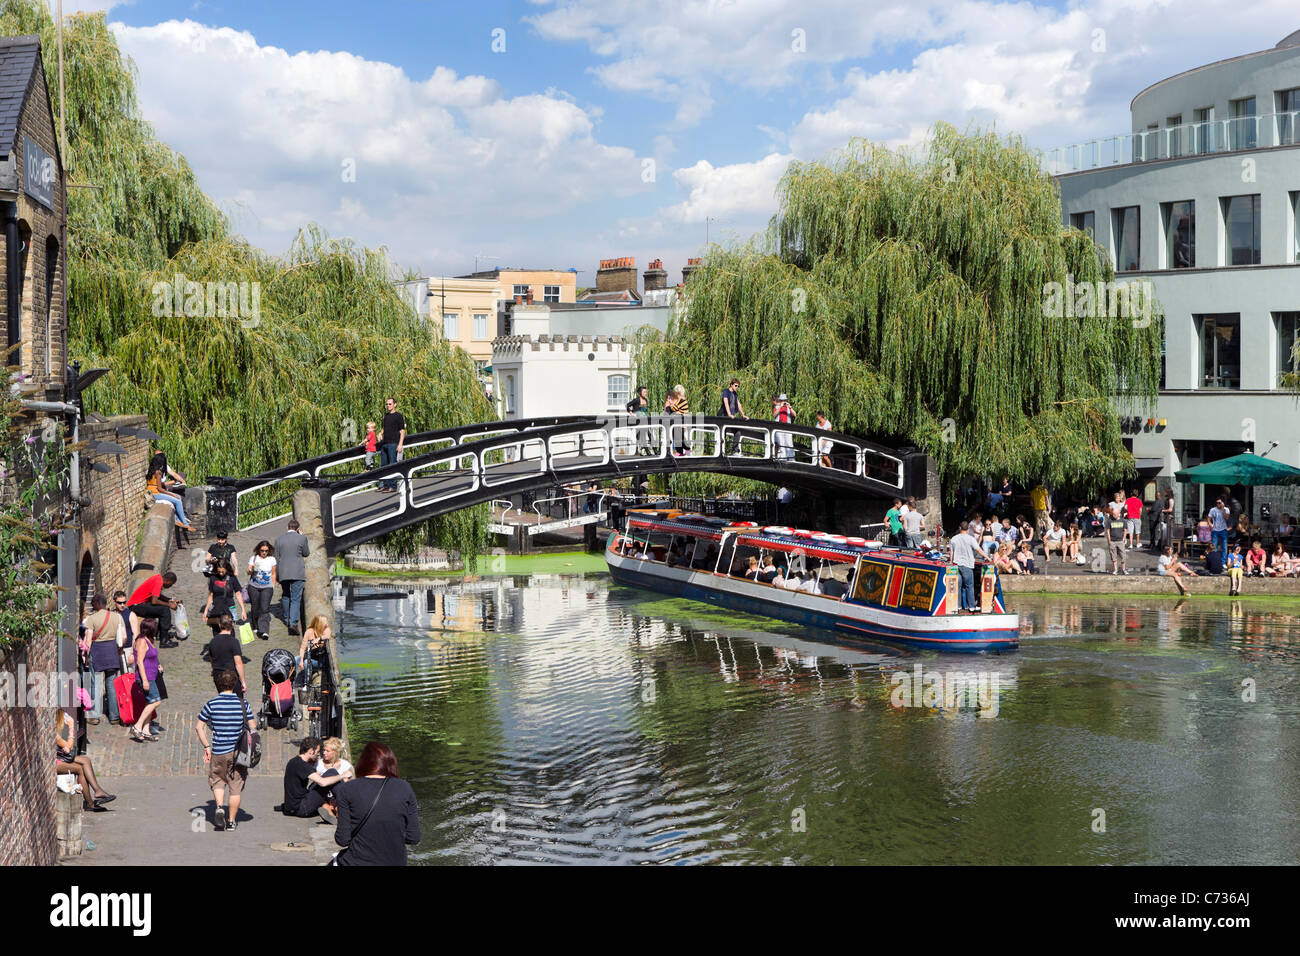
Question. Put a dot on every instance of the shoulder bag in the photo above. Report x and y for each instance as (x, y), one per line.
(357, 831)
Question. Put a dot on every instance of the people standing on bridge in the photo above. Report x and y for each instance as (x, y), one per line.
(371, 444)
(639, 407)
(291, 548)
(824, 444)
(261, 587)
(731, 408)
(676, 404)
(390, 446)
(783, 412)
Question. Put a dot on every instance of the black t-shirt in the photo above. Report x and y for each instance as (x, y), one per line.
(296, 772)
(1116, 529)
(394, 425)
(225, 649)
(221, 552)
(223, 596)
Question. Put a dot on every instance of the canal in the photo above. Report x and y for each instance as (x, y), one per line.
(557, 717)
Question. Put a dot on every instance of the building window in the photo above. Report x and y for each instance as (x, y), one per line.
(1085, 222)
(1203, 130)
(1180, 234)
(1126, 225)
(521, 290)
(618, 393)
(1242, 230)
(1295, 226)
(510, 394)
(550, 293)
(450, 326)
(51, 277)
(1220, 350)
(1174, 130)
(1288, 333)
(1241, 123)
(480, 325)
(480, 367)
(1288, 113)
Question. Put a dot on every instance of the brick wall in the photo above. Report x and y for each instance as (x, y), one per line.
(27, 834)
(111, 523)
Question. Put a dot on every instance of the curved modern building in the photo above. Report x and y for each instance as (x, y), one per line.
(1202, 198)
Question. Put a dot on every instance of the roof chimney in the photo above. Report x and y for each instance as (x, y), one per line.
(691, 266)
(617, 275)
(656, 277)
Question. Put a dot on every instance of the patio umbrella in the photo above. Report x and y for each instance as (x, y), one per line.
(1245, 469)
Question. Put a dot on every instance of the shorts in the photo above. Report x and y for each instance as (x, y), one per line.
(151, 694)
(222, 772)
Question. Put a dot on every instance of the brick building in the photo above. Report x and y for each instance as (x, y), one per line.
(32, 277)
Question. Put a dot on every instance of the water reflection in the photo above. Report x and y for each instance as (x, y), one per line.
(556, 718)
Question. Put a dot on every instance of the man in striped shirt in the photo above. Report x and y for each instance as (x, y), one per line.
(227, 714)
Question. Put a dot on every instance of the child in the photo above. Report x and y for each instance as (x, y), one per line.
(371, 445)
(1235, 562)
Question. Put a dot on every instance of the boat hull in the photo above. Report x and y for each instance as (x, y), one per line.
(845, 619)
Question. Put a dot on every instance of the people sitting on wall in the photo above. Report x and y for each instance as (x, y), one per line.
(1280, 563)
(93, 796)
(1256, 559)
(155, 491)
(149, 601)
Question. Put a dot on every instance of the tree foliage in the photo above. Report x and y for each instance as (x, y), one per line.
(903, 293)
(233, 393)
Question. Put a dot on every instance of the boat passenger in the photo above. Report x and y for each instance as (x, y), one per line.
(811, 585)
(793, 582)
(754, 570)
(769, 574)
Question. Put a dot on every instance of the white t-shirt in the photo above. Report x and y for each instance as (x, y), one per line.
(1055, 534)
(1118, 509)
(344, 768)
(792, 584)
(811, 586)
(261, 575)
(1163, 565)
(824, 444)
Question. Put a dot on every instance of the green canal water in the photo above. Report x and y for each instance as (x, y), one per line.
(557, 717)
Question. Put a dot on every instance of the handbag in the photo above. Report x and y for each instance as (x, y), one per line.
(161, 684)
(334, 861)
(248, 752)
(245, 632)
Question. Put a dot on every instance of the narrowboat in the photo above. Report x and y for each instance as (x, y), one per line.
(858, 590)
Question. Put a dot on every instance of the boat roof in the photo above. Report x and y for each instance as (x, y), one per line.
(773, 538)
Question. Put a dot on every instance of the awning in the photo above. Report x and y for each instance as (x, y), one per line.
(1245, 469)
(1148, 464)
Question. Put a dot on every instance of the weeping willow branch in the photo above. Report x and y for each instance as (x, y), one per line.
(904, 294)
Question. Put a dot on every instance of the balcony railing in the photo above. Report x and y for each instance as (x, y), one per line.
(1172, 142)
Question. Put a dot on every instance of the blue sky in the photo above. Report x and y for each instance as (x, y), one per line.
(539, 154)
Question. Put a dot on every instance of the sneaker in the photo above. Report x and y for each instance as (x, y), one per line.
(327, 815)
(232, 825)
(219, 820)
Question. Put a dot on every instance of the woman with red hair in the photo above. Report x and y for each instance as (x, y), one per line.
(378, 817)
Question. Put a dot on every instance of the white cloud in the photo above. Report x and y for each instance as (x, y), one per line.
(736, 191)
(445, 162)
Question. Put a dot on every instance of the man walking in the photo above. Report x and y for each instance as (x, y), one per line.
(290, 550)
(731, 408)
(1219, 524)
(965, 550)
(1117, 528)
(227, 715)
(390, 446)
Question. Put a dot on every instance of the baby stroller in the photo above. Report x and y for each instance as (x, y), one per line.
(278, 708)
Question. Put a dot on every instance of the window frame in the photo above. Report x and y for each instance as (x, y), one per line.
(454, 334)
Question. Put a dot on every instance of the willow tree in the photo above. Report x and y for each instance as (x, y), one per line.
(231, 392)
(906, 294)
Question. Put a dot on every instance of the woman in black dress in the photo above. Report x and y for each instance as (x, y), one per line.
(378, 817)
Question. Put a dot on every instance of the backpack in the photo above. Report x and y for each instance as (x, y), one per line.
(1214, 562)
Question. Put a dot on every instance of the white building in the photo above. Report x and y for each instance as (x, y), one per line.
(1201, 199)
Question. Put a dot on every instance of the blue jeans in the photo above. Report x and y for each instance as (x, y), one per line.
(99, 682)
(967, 590)
(290, 602)
(1219, 541)
(388, 456)
(177, 502)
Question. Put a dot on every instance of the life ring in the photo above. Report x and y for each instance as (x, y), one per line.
(746, 524)
(802, 533)
(832, 538)
(856, 542)
(777, 529)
